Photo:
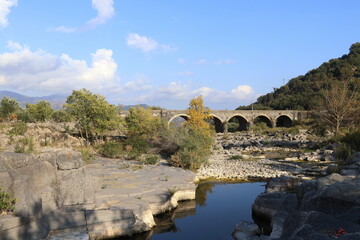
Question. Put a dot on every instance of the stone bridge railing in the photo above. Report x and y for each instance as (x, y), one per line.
(245, 118)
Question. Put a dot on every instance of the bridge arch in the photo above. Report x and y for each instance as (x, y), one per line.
(237, 123)
(216, 122)
(263, 118)
(283, 121)
(181, 115)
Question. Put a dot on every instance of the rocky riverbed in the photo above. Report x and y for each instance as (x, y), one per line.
(245, 156)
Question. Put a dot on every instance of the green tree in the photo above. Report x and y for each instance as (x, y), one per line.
(61, 116)
(93, 114)
(8, 108)
(39, 112)
(141, 122)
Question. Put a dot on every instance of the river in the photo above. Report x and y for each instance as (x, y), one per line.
(214, 214)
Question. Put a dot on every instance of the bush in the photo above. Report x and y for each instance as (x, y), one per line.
(111, 149)
(24, 145)
(138, 144)
(7, 204)
(194, 150)
(87, 154)
(18, 129)
(150, 160)
(235, 157)
(352, 140)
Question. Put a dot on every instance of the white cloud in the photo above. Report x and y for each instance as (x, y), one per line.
(181, 61)
(226, 61)
(63, 29)
(185, 73)
(180, 92)
(105, 11)
(5, 6)
(140, 83)
(202, 61)
(242, 91)
(146, 44)
(44, 73)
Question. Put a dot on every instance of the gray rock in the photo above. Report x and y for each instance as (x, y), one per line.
(314, 225)
(268, 204)
(349, 172)
(328, 180)
(247, 227)
(243, 236)
(282, 184)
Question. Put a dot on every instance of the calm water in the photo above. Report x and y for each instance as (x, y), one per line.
(218, 207)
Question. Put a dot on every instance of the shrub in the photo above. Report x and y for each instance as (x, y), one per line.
(138, 144)
(194, 150)
(235, 157)
(24, 145)
(87, 154)
(18, 129)
(150, 160)
(7, 204)
(111, 149)
(352, 140)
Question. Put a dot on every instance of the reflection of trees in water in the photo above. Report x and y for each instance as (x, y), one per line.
(165, 222)
(201, 192)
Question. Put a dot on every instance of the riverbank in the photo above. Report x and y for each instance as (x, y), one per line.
(326, 208)
(120, 198)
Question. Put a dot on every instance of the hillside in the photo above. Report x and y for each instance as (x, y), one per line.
(304, 92)
(56, 100)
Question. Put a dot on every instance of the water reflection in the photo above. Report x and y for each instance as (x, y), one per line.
(218, 207)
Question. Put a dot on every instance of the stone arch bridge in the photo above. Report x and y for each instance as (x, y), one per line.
(244, 118)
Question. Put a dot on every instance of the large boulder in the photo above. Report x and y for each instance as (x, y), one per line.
(45, 182)
(317, 226)
(267, 205)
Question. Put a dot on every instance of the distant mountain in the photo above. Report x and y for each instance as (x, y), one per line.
(304, 92)
(127, 107)
(56, 100)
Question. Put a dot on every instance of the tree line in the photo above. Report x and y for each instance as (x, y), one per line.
(187, 146)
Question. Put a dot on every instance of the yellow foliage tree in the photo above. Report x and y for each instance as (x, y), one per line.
(198, 115)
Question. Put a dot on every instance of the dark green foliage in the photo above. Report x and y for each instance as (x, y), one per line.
(92, 113)
(235, 157)
(193, 149)
(350, 144)
(139, 145)
(8, 107)
(352, 140)
(150, 160)
(111, 149)
(61, 116)
(39, 112)
(7, 204)
(305, 92)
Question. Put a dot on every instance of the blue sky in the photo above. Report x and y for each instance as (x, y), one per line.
(163, 52)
